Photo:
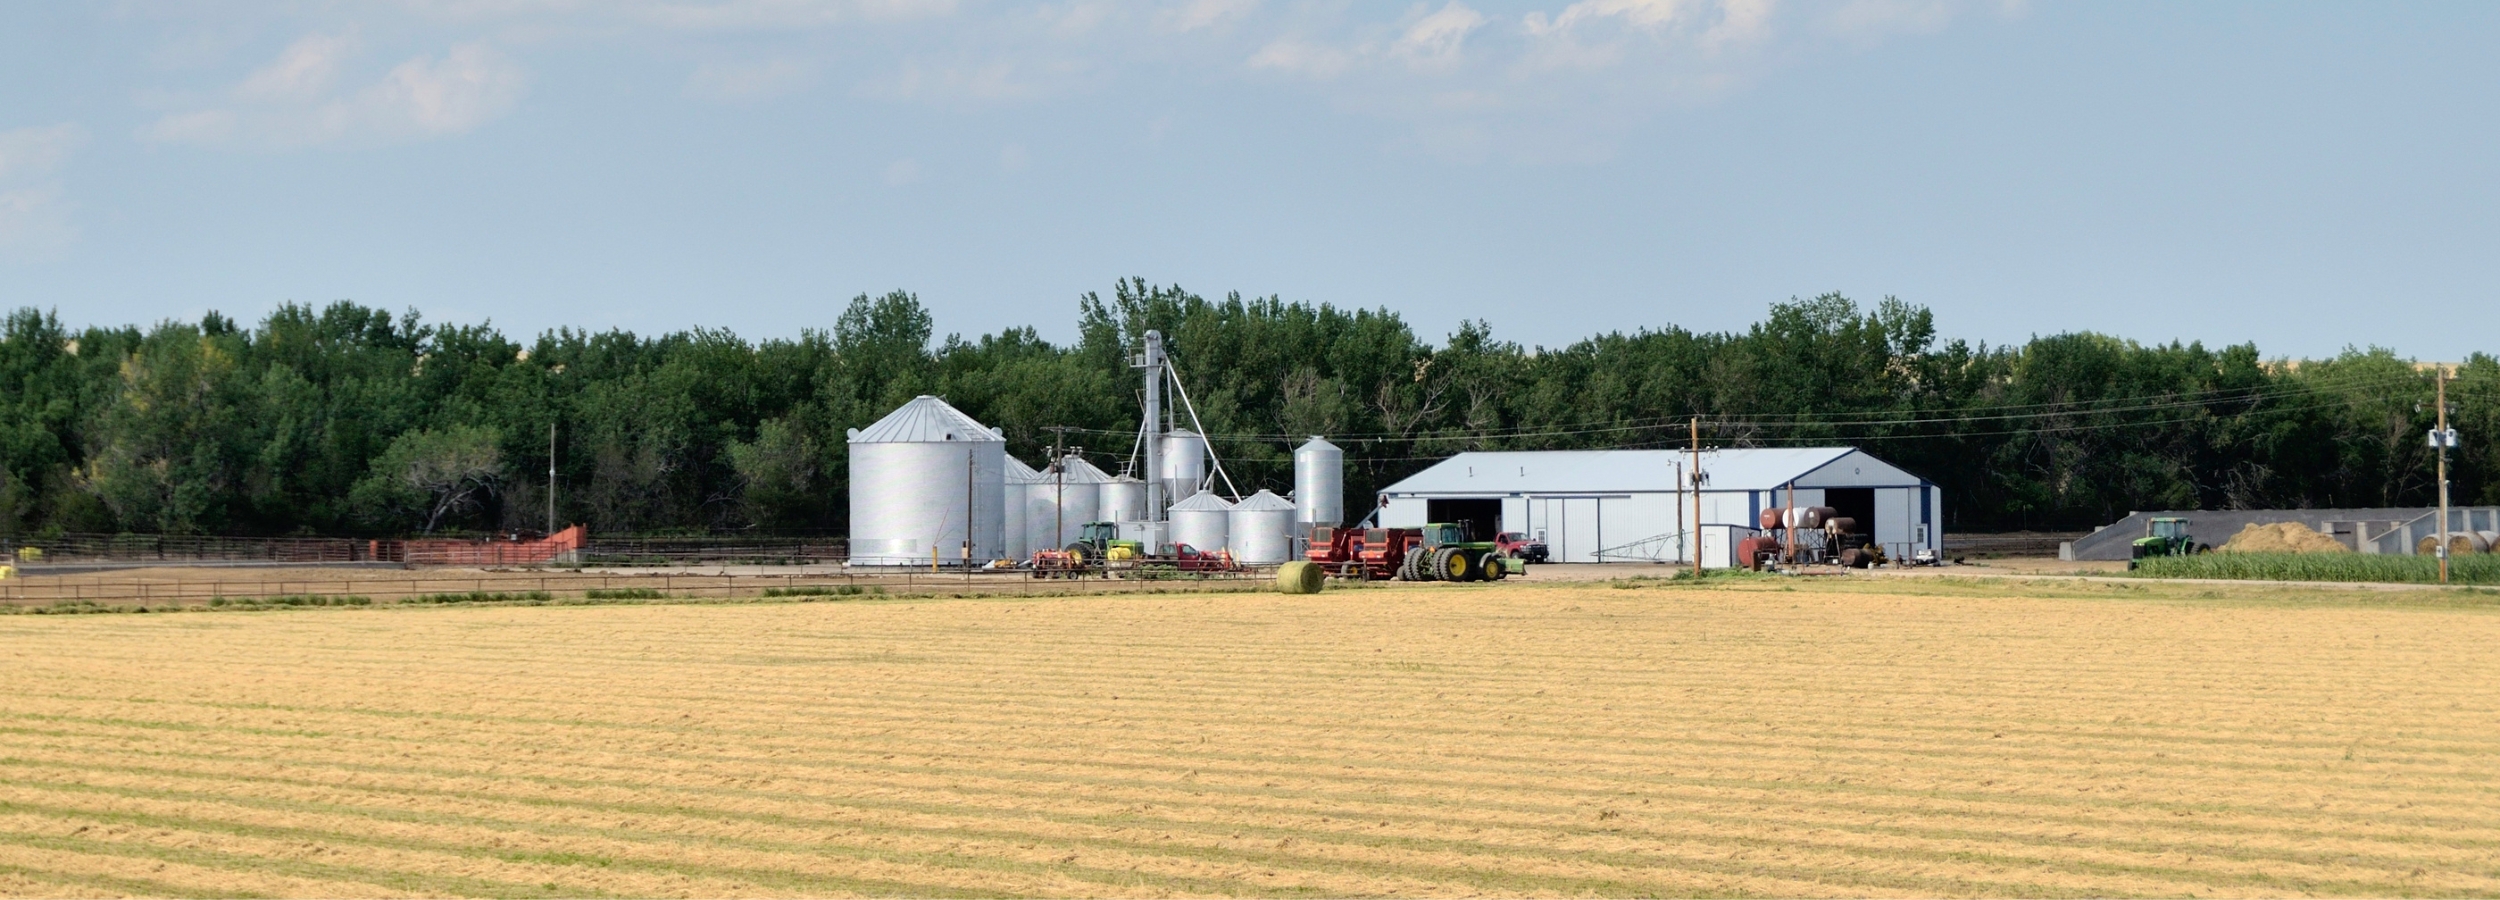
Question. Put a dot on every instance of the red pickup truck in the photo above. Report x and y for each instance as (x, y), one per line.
(1519, 546)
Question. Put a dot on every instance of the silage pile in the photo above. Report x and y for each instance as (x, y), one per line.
(2281, 537)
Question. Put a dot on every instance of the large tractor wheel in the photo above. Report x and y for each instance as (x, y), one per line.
(1408, 570)
(1496, 567)
(1079, 554)
(1453, 564)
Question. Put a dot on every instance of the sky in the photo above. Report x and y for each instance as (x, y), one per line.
(2309, 177)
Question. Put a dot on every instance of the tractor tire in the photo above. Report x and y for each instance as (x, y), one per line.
(1407, 568)
(1453, 564)
(1496, 567)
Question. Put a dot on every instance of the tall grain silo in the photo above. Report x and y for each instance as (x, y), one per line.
(923, 478)
(1018, 533)
(1261, 529)
(1184, 464)
(1318, 485)
(1076, 490)
(1204, 522)
(1123, 500)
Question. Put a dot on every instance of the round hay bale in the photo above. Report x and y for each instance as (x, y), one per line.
(1300, 577)
(2460, 543)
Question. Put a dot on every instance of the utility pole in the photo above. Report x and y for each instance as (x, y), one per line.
(551, 478)
(1059, 482)
(971, 461)
(1789, 520)
(1696, 476)
(2443, 439)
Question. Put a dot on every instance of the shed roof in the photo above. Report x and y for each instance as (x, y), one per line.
(925, 419)
(1593, 471)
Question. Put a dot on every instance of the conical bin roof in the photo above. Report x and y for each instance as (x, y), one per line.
(1202, 500)
(1263, 500)
(924, 420)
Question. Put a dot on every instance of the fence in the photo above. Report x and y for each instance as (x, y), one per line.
(568, 547)
(117, 588)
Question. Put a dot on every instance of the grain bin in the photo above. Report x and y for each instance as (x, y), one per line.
(1123, 500)
(1184, 464)
(1077, 490)
(1203, 521)
(921, 478)
(1041, 514)
(1318, 485)
(1017, 536)
(1260, 529)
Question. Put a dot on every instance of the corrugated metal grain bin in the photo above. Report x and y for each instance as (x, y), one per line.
(1261, 529)
(921, 478)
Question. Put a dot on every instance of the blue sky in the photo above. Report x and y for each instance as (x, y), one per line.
(2305, 176)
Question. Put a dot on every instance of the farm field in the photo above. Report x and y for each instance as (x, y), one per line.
(1830, 737)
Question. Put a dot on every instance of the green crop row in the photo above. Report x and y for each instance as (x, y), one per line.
(2472, 569)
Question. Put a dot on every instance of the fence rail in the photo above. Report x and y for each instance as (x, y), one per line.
(102, 589)
(164, 549)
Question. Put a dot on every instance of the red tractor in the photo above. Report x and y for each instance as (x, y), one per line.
(1430, 553)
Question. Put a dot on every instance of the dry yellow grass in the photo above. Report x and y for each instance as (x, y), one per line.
(1848, 738)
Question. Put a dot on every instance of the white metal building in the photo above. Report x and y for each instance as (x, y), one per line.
(1637, 505)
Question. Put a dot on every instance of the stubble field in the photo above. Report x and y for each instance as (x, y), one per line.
(1850, 738)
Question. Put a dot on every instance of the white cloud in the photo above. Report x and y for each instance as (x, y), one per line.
(780, 14)
(1652, 14)
(34, 212)
(1871, 20)
(743, 81)
(34, 223)
(290, 104)
(1740, 21)
(1302, 58)
(31, 152)
(305, 70)
(1434, 40)
(1198, 14)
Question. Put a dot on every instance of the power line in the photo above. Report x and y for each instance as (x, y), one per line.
(1868, 421)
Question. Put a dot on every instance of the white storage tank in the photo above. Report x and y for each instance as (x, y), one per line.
(1076, 488)
(1318, 485)
(921, 479)
(1203, 521)
(1123, 500)
(1260, 529)
(1184, 464)
(1017, 536)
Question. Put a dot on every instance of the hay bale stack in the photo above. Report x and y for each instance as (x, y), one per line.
(2281, 537)
(1300, 577)
(2459, 544)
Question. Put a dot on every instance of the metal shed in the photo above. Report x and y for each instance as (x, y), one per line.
(1637, 505)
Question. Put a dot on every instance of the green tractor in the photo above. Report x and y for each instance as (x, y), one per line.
(2164, 536)
(1099, 542)
(1441, 552)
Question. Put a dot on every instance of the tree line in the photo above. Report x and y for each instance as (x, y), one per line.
(347, 420)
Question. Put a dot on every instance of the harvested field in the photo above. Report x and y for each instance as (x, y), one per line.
(1840, 737)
